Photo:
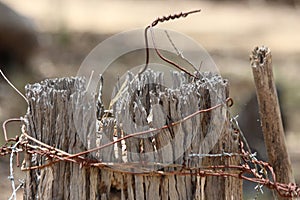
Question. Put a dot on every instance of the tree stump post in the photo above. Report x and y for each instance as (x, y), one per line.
(162, 164)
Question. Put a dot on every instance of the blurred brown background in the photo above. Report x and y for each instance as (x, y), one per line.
(44, 39)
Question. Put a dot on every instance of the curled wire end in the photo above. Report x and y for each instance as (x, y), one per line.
(154, 23)
(174, 16)
(229, 102)
(4, 126)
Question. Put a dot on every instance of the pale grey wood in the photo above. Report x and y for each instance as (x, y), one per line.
(61, 113)
(139, 187)
(130, 191)
(50, 118)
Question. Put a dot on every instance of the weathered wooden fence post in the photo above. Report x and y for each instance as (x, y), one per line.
(269, 109)
(162, 164)
(51, 119)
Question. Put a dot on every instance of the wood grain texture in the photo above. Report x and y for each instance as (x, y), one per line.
(271, 122)
(61, 114)
(50, 118)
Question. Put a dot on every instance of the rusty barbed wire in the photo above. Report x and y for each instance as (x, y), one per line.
(154, 23)
(174, 16)
(27, 144)
(4, 127)
(257, 174)
(69, 157)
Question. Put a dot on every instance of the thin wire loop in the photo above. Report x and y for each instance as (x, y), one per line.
(5, 123)
(154, 23)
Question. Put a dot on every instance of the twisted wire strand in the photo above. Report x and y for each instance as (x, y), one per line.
(172, 17)
(154, 23)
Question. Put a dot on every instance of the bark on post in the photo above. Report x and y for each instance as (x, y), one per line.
(261, 62)
(61, 115)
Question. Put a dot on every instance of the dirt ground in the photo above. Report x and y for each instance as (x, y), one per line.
(70, 29)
